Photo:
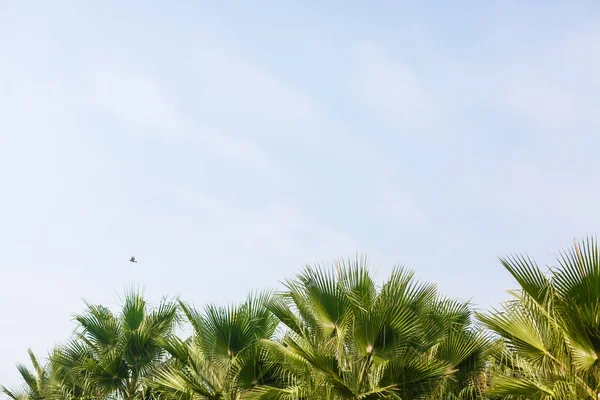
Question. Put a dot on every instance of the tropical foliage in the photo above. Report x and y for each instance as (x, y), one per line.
(223, 358)
(335, 333)
(111, 355)
(36, 382)
(551, 329)
(348, 339)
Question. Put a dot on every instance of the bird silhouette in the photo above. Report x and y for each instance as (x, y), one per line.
(132, 259)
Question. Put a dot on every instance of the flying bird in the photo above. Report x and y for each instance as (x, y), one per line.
(132, 259)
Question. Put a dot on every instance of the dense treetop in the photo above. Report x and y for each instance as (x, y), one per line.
(334, 333)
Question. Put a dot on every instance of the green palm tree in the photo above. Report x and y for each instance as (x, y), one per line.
(466, 348)
(550, 329)
(347, 338)
(36, 382)
(222, 359)
(111, 355)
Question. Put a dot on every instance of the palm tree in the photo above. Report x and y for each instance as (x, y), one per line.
(222, 359)
(464, 346)
(347, 338)
(550, 329)
(36, 382)
(111, 355)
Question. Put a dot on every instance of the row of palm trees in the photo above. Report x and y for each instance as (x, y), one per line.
(336, 334)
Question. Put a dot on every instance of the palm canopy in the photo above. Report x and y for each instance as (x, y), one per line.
(332, 334)
(348, 338)
(110, 355)
(550, 329)
(222, 359)
(36, 382)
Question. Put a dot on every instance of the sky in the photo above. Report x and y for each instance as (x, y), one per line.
(228, 144)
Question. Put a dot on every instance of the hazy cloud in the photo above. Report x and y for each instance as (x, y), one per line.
(390, 89)
(401, 207)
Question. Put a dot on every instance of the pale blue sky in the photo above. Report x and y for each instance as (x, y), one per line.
(227, 144)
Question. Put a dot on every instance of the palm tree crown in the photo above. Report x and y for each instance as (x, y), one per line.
(111, 355)
(347, 338)
(37, 382)
(222, 359)
(550, 329)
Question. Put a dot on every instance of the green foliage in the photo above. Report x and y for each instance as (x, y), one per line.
(223, 358)
(334, 333)
(347, 338)
(111, 355)
(550, 329)
(36, 383)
